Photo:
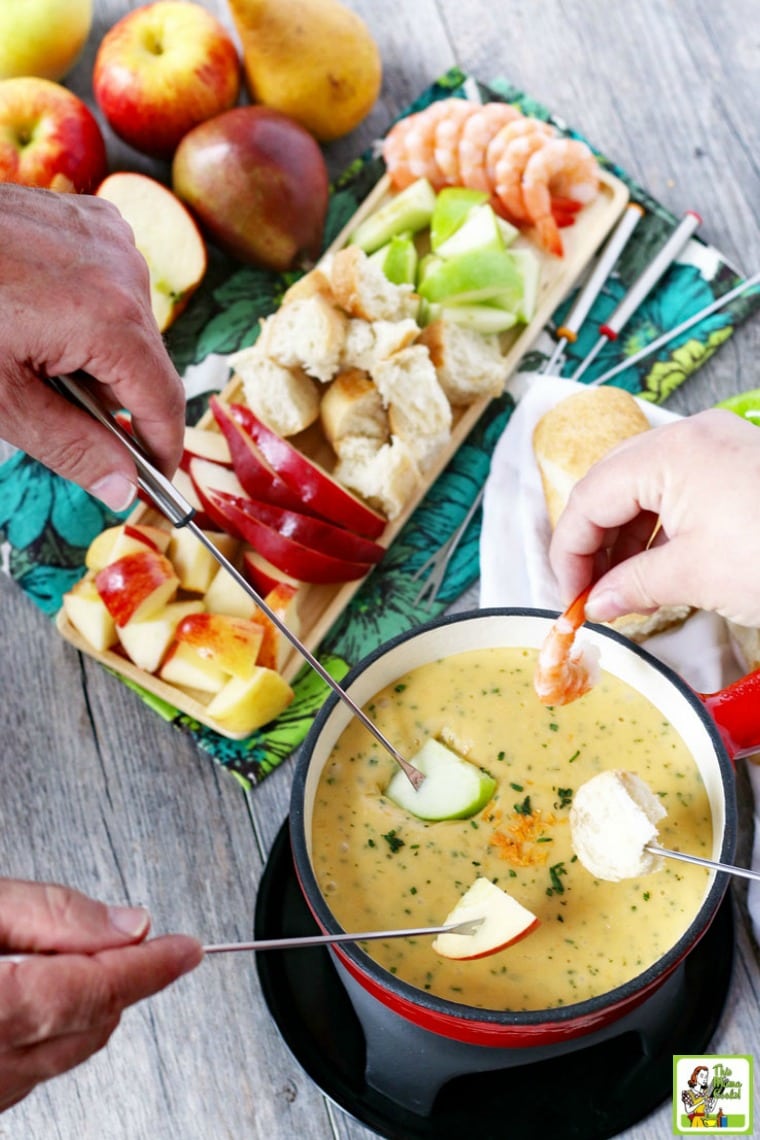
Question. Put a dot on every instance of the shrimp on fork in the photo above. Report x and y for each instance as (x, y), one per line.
(566, 671)
(565, 168)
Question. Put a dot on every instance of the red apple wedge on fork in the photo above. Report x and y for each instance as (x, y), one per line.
(137, 585)
(504, 921)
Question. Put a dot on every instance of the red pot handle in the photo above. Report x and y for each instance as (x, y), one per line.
(736, 712)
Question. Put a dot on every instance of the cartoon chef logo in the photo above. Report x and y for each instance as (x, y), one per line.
(713, 1095)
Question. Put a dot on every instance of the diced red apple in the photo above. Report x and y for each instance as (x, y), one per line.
(201, 444)
(504, 921)
(295, 559)
(116, 541)
(146, 642)
(137, 585)
(232, 643)
(184, 666)
(257, 476)
(263, 575)
(275, 648)
(193, 562)
(317, 489)
(86, 611)
(226, 596)
(242, 706)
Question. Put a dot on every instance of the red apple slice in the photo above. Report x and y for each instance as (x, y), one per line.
(232, 643)
(263, 575)
(184, 485)
(287, 554)
(317, 489)
(137, 585)
(505, 921)
(206, 476)
(257, 476)
(201, 444)
(275, 648)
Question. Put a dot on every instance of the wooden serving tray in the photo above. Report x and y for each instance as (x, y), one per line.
(321, 605)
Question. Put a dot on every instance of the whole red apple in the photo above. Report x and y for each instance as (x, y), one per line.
(162, 69)
(258, 183)
(48, 137)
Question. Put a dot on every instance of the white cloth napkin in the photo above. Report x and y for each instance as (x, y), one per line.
(515, 570)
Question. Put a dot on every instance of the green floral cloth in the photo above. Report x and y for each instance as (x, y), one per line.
(47, 523)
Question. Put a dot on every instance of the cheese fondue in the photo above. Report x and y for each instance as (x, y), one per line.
(379, 867)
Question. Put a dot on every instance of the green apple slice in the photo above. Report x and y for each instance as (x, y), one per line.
(411, 209)
(452, 205)
(530, 271)
(453, 788)
(479, 231)
(398, 260)
(486, 319)
(507, 230)
(746, 404)
(478, 275)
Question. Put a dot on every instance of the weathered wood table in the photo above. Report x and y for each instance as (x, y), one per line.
(96, 791)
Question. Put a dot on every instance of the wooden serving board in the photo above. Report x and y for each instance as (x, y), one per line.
(321, 605)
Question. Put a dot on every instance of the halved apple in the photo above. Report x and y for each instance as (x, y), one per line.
(116, 541)
(505, 921)
(242, 706)
(317, 489)
(137, 585)
(165, 235)
(232, 643)
(201, 444)
(453, 788)
(146, 642)
(86, 611)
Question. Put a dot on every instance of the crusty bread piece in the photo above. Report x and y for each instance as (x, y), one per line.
(418, 411)
(362, 290)
(387, 476)
(469, 365)
(577, 432)
(567, 441)
(315, 281)
(309, 334)
(351, 406)
(613, 817)
(286, 399)
(369, 342)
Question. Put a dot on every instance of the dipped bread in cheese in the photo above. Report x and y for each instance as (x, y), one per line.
(569, 439)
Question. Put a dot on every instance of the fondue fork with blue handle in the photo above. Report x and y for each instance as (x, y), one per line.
(180, 513)
(466, 929)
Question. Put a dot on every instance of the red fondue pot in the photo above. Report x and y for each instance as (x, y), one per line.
(716, 728)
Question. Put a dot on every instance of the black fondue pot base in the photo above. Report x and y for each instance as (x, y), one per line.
(593, 1093)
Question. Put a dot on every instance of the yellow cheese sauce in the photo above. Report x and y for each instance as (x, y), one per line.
(380, 868)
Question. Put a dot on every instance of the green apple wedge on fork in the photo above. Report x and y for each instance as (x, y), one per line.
(453, 788)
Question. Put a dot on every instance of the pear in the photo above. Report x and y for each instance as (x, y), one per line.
(314, 60)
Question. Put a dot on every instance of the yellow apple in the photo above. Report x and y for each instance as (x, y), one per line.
(146, 642)
(42, 37)
(242, 706)
(165, 235)
(185, 667)
(232, 643)
(194, 563)
(225, 596)
(86, 611)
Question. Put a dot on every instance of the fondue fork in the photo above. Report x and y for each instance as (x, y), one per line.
(728, 868)
(180, 513)
(464, 928)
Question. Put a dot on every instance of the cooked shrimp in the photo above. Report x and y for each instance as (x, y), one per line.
(565, 671)
(506, 157)
(448, 132)
(409, 147)
(565, 167)
(396, 156)
(477, 132)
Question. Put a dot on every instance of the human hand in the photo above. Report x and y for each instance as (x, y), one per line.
(74, 294)
(90, 962)
(700, 476)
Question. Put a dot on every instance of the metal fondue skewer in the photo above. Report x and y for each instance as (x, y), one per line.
(728, 868)
(180, 513)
